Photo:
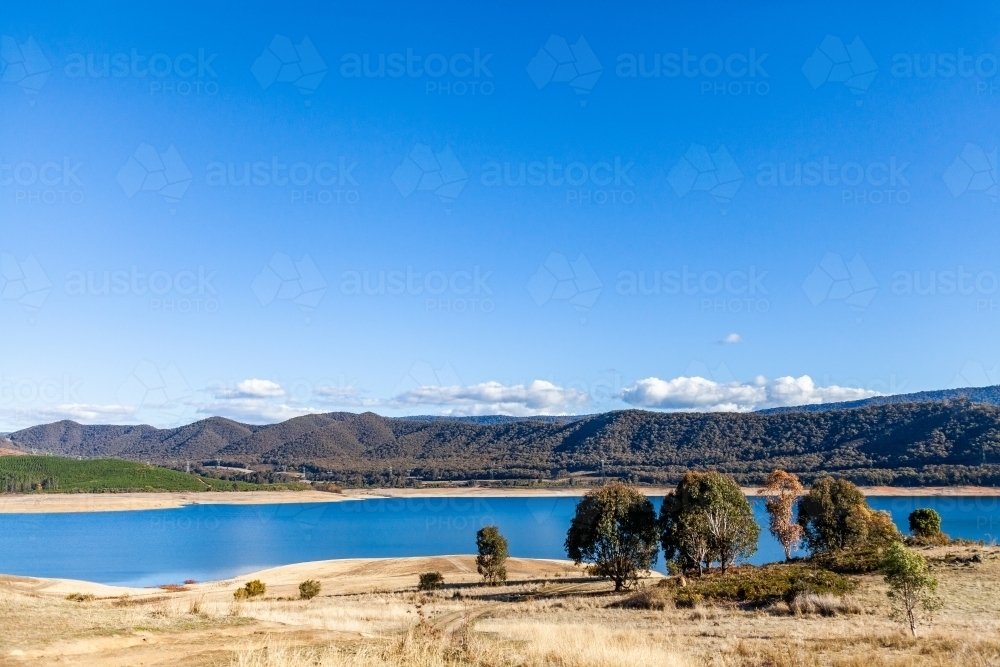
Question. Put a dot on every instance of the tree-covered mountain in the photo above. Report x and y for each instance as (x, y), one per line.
(944, 442)
(989, 395)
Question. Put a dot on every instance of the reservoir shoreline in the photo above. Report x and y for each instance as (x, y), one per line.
(43, 503)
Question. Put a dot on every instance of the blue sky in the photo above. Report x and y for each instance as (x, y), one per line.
(274, 211)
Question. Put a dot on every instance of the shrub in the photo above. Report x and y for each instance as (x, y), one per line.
(826, 604)
(431, 581)
(925, 522)
(860, 560)
(252, 589)
(650, 599)
(309, 589)
(80, 597)
(761, 586)
(328, 487)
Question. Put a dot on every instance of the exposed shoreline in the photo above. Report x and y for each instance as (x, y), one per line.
(339, 575)
(118, 502)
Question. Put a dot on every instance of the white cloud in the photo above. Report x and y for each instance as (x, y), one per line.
(85, 413)
(252, 388)
(255, 410)
(697, 393)
(486, 398)
(732, 339)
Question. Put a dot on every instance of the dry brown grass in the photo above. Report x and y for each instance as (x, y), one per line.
(561, 623)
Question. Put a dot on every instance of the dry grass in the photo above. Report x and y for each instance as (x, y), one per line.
(561, 623)
(824, 605)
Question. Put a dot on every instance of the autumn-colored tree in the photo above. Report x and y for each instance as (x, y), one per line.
(780, 492)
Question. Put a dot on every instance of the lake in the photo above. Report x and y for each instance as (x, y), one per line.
(206, 542)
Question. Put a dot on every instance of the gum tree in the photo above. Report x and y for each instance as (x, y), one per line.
(614, 530)
(780, 492)
(707, 519)
(911, 586)
(492, 559)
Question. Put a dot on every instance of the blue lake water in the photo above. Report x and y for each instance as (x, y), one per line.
(205, 542)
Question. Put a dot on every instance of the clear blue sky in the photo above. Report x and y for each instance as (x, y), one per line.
(270, 211)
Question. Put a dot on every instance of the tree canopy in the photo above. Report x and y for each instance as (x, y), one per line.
(615, 530)
(707, 519)
(834, 515)
(491, 562)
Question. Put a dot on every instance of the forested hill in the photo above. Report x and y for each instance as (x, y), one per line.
(947, 442)
(989, 395)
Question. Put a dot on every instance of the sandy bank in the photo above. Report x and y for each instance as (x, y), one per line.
(117, 502)
(337, 577)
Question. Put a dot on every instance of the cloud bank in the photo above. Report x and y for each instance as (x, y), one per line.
(699, 394)
(490, 398)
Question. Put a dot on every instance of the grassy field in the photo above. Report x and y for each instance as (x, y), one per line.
(369, 614)
(51, 474)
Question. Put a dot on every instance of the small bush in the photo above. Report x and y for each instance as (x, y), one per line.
(80, 597)
(939, 540)
(861, 560)
(328, 487)
(188, 582)
(760, 586)
(252, 589)
(309, 589)
(651, 599)
(925, 522)
(172, 588)
(431, 581)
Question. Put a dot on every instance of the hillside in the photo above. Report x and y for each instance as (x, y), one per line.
(23, 474)
(951, 442)
(990, 395)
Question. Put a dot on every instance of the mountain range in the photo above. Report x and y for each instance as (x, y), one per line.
(877, 441)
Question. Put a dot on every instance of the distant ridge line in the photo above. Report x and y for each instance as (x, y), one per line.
(989, 395)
